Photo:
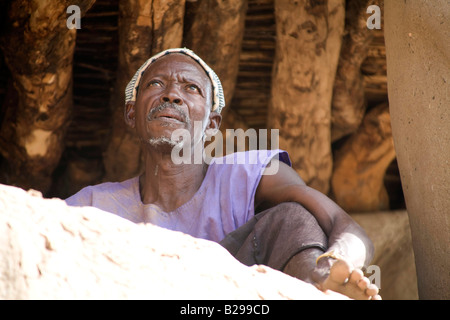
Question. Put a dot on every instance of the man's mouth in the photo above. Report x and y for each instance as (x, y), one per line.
(169, 115)
(168, 112)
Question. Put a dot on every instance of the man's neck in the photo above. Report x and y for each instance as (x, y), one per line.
(169, 185)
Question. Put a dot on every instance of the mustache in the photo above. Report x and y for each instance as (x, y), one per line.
(165, 105)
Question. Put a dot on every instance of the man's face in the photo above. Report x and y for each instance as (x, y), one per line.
(173, 93)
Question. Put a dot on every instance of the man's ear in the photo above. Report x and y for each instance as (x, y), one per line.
(129, 114)
(215, 119)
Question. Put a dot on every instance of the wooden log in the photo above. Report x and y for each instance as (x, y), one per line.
(38, 49)
(145, 28)
(349, 104)
(361, 162)
(307, 50)
(214, 30)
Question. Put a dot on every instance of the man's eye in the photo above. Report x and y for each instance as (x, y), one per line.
(154, 83)
(193, 87)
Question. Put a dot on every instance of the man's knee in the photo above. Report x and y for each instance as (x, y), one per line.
(275, 235)
(284, 231)
(294, 220)
(288, 206)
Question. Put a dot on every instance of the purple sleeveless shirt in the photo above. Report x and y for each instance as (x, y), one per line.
(223, 203)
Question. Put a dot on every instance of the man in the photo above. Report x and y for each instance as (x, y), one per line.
(215, 201)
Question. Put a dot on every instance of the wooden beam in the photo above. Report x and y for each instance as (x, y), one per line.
(38, 49)
(307, 50)
(349, 103)
(214, 30)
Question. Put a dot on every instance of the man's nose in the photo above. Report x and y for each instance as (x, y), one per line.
(172, 95)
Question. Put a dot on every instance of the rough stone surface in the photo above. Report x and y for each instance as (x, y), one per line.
(51, 251)
(418, 68)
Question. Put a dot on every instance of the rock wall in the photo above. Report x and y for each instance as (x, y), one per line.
(417, 37)
(51, 251)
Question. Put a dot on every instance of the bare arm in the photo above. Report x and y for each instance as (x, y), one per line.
(345, 236)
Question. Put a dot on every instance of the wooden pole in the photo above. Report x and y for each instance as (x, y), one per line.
(38, 48)
(307, 50)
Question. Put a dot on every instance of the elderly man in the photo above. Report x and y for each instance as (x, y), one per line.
(295, 229)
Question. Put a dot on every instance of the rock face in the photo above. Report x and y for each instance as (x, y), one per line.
(418, 66)
(51, 251)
